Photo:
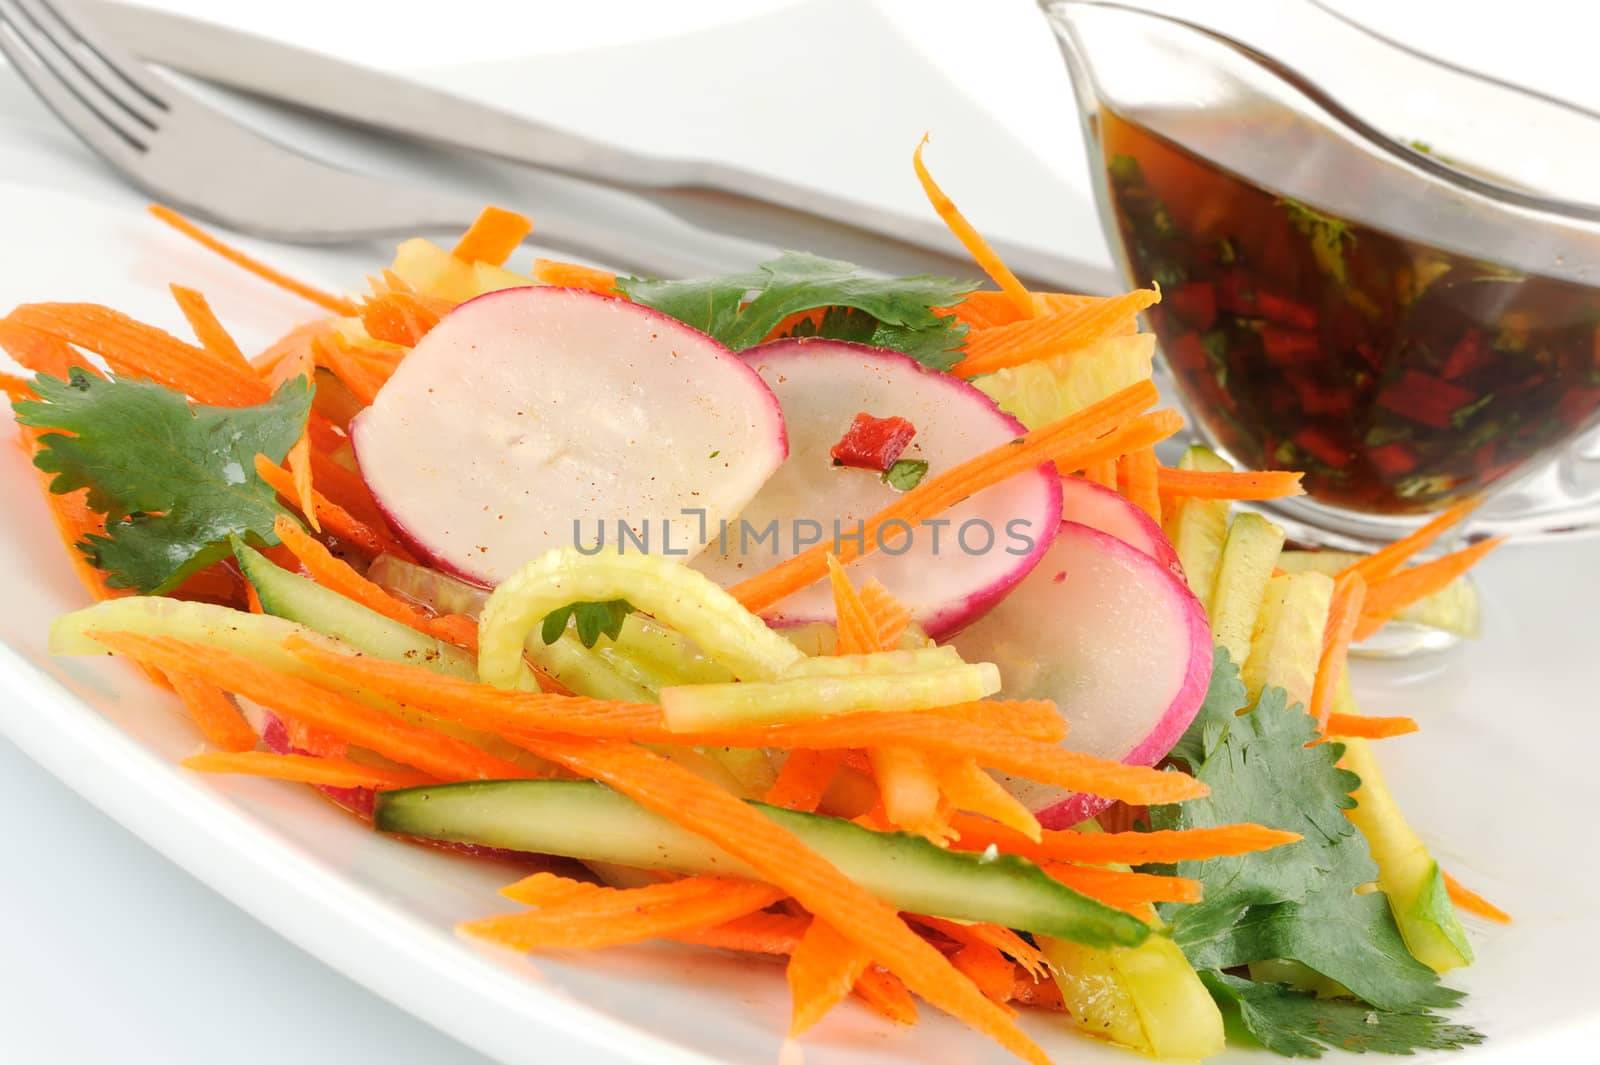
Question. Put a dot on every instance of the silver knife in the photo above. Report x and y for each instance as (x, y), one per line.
(321, 84)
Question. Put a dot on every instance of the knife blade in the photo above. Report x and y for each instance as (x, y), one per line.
(321, 84)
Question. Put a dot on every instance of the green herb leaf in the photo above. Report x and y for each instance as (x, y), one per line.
(1298, 1024)
(1329, 237)
(906, 474)
(593, 621)
(174, 480)
(742, 309)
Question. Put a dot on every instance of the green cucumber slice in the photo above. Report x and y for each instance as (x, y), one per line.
(1199, 527)
(1249, 556)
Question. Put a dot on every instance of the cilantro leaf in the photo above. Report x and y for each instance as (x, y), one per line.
(174, 480)
(906, 474)
(593, 620)
(1298, 1024)
(743, 309)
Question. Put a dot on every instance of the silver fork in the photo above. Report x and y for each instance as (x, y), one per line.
(196, 159)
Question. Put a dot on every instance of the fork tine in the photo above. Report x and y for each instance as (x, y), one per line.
(122, 80)
(98, 128)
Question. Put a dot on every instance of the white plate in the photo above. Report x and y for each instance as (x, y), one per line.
(1496, 781)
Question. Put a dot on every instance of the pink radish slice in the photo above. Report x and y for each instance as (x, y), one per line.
(1116, 639)
(947, 574)
(534, 418)
(1100, 508)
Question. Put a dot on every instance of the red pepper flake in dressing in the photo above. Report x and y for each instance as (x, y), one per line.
(873, 443)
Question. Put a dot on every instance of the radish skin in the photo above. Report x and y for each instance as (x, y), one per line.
(1112, 513)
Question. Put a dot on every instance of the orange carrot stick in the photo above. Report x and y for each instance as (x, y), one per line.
(305, 769)
(1003, 939)
(493, 236)
(985, 310)
(1130, 848)
(988, 969)
(1390, 595)
(1360, 726)
(208, 329)
(1473, 902)
(1344, 614)
(970, 238)
(571, 275)
(214, 714)
(757, 933)
(970, 788)
(1042, 994)
(339, 522)
(1052, 334)
(344, 364)
(886, 993)
(544, 889)
(1123, 889)
(1388, 561)
(783, 860)
(336, 304)
(822, 970)
(890, 617)
(1102, 473)
(940, 491)
(612, 917)
(41, 352)
(1137, 478)
(398, 318)
(857, 634)
(295, 341)
(1230, 484)
(804, 779)
(440, 756)
(909, 790)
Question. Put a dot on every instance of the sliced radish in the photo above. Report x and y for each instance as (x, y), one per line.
(535, 418)
(947, 574)
(1100, 508)
(1115, 638)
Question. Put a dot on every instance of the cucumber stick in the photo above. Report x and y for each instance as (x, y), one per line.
(1249, 555)
(1037, 393)
(1407, 873)
(1287, 644)
(592, 822)
(1199, 527)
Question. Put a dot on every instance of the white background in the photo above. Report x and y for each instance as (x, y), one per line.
(110, 954)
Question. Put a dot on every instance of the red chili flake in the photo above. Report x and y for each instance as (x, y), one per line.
(1425, 398)
(873, 443)
(1393, 460)
(1321, 443)
(1285, 312)
(1470, 353)
(1195, 303)
(1187, 351)
(1286, 346)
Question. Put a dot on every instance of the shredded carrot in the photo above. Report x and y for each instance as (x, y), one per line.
(345, 488)
(440, 756)
(493, 236)
(886, 993)
(214, 714)
(822, 970)
(1052, 334)
(1388, 561)
(988, 969)
(783, 860)
(15, 388)
(544, 889)
(890, 617)
(970, 788)
(1344, 614)
(1114, 887)
(336, 304)
(1473, 902)
(1131, 848)
(1137, 478)
(296, 340)
(1083, 429)
(1360, 726)
(208, 329)
(571, 275)
(398, 318)
(757, 933)
(338, 521)
(1230, 484)
(609, 917)
(1042, 994)
(74, 522)
(134, 349)
(1103, 474)
(306, 769)
(985, 310)
(804, 779)
(1388, 596)
(1003, 939)
(41, 352)
(909, 790)
(857, 633)
(970, 238)
(344, 364)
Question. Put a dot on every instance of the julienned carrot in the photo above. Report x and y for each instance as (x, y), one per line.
(782, 860)
(1138, 479)
(613, 917)
(336, 357)
(15, 388)
(1003, 939)
(73, 521)
(1052, 334)
(296, 340)
(398, 318)
(543, 889)
(935, 494)
(857, 633)
(970, 788)
(985, 310)
(890, 617)
(909, 791)
(804, 779)
(1390, 595)
(1130, 848)
(572, 275)
(1473, 902)
(440, 756)
(336, 304)
(757, 933)
(822, 971)
(214, 714)
(135, 349)
(41, 352)
(305, 495)
(305, 769)
(1102, 473)
(1360, 726)
(338, 521)
(1230, 484)
(1039, 994)
(988, 969)
(208, 328)
(1344, 614)
(1122, 889)
(1388, 561)
(493, 236)
(886, 993)
(971, 239)
(344, 487)
(299, 363)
